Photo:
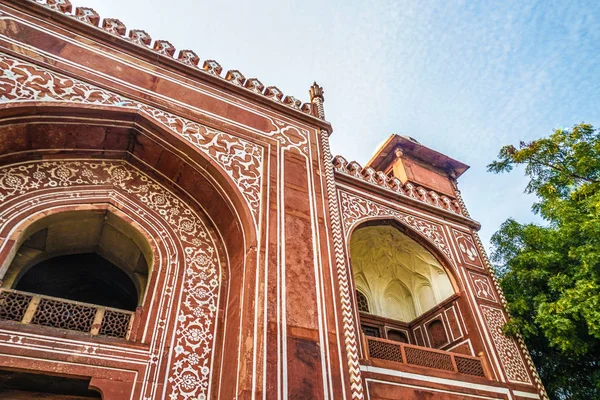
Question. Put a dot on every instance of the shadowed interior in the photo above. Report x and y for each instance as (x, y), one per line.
(87, 278)
(23, 385)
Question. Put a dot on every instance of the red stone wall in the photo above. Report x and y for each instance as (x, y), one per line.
(245, 172)
(479, 306)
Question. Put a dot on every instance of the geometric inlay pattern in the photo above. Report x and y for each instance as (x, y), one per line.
(507, 349)
(336, 216)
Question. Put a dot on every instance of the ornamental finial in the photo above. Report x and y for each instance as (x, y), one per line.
(316, 97)
(315, 92)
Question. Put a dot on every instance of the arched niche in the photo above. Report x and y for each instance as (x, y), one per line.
(78, 255)
(402, 276)
(398, 302)
(397, 336)
(82, 131)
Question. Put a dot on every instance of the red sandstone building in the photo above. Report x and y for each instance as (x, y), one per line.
(170, 231)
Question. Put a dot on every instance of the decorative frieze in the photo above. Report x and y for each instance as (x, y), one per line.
(240, 159)
(356, 209)
(393, 184)
(186, 57)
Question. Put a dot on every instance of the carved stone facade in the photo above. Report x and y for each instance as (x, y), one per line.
(246, 220)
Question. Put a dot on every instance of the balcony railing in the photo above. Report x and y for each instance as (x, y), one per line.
(408, 354)
(35, 309)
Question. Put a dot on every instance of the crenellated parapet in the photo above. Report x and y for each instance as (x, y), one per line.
(166, 49)
(391, 183)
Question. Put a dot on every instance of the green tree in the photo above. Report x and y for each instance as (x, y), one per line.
(550, 273)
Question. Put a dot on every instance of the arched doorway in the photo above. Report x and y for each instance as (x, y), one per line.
(190, 175)
(177, 282)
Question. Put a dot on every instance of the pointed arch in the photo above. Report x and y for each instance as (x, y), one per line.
(73, 132)
(362, 302)
(402, 275)
(399, 302)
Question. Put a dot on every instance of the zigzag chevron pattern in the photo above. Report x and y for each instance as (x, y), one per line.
(350, 339)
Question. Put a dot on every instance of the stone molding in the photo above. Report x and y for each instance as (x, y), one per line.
(240, 159)
(166, 49)
(393, 184)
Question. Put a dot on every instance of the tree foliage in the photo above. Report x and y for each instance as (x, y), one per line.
(550, 273)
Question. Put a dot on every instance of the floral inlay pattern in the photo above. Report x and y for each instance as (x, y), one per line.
(189, 372)
(507, 349)
(355, 209)
(240, 159)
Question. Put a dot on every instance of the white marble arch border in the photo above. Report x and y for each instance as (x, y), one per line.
(356, 210)
(110, 186)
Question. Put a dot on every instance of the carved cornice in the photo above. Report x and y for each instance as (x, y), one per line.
(431, 199)
(209, 70)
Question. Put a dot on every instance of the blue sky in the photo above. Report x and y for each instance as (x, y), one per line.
(462, 77)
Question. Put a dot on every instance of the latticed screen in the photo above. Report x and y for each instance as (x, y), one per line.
(64, 314)
(13, 305)
(115, 324)
(428, 359)
(384, 351)
(423, 357)
(363, 304)
(58, 314)
(469, 366)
